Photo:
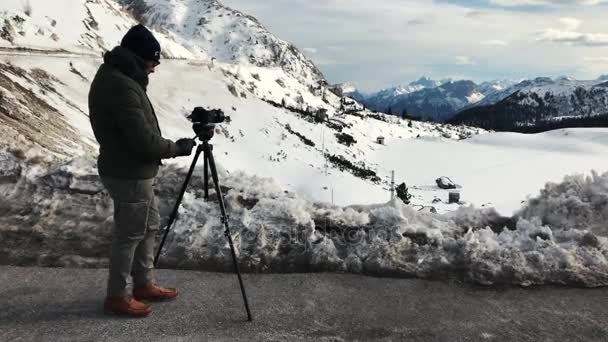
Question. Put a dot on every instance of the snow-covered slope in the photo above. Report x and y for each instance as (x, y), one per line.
(278, 118)
(225, 34)
(261, 135)
(72, 26)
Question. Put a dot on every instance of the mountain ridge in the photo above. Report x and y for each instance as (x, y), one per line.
(434, 102)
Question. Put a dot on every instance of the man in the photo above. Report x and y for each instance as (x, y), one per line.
(131, 148)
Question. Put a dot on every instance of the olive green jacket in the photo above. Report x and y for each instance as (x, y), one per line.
(123, 120)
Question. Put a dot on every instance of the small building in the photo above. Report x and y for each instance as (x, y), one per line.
(380, 140)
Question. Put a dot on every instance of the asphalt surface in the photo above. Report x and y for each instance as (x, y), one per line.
(55, 304)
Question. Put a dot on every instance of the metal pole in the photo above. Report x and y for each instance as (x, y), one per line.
(323, 147)
(392, 185)
(206, 177)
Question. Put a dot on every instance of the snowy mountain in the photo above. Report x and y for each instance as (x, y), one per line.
(499, 104)
(348, 90)
(72, 27)
(224, 34)
(540, 102)
(427, 99)
(386, 98)
(491, 87)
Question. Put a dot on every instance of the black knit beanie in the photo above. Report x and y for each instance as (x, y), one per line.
(142, 42)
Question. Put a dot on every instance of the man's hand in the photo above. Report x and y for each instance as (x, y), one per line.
(185, 146)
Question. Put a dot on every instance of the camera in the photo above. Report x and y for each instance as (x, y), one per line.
(204, 121)
(205, 117)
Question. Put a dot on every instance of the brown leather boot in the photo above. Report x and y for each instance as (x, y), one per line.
(154, 293)
(126, 306)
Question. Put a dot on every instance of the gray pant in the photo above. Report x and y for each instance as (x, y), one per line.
(136, 222)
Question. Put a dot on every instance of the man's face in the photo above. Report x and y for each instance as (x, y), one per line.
(151, 67)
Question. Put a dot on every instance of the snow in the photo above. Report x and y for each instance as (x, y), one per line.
(78, 26)
(228, 36)
(475, 97)
(278, 231)
(499, 169)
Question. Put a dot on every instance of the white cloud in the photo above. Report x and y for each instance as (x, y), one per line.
(476, 14)
(494, 42)
(570, 24)
(371, 44)
(508, 3)
(310, 50)
(598, 60)
(464, 60)
(571, 37)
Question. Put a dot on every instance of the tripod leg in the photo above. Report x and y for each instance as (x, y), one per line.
(218, 191)
(177, 204)
(206, 175)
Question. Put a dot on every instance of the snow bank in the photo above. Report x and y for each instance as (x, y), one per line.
(60, 215)
(579, 202)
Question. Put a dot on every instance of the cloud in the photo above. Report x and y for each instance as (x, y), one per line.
(310, 50)
(494, 42)
(464, 60)
(509, 3)
(415, 22)
(577, 38)
(598, 60)
(570, 24)
(476, 14)
(380, 43)
(524, 5)
(568, 34)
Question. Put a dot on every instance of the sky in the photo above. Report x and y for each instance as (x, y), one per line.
(383, 43)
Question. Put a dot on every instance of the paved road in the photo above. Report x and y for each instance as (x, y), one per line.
(43, 304)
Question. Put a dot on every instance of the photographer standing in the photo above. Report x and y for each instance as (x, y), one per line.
(131, 149)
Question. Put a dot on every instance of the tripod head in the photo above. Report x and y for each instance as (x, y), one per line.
(204, 121)
(203, 132)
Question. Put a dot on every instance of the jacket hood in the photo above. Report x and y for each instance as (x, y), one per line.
(128, 63)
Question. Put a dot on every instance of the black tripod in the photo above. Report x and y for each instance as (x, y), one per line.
(207, 148)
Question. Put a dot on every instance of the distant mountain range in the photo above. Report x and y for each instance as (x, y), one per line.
(500, 104)
(427, 98)
(541, 104)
